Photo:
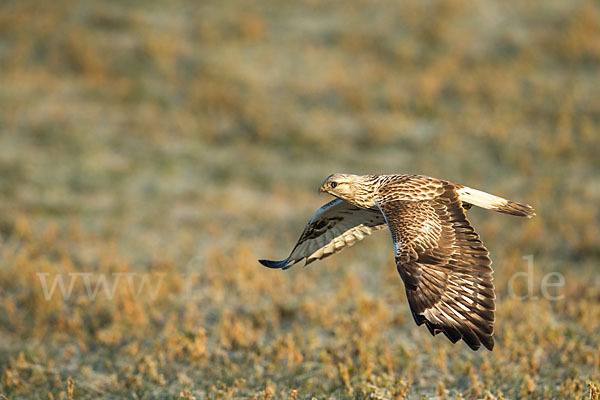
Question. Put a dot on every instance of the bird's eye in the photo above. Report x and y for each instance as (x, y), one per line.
(333, 185)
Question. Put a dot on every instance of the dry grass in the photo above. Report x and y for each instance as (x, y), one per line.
(180, 142)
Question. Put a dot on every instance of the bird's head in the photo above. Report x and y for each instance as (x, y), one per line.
(352, 188)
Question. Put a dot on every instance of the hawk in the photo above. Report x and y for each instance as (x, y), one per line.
(445, 267)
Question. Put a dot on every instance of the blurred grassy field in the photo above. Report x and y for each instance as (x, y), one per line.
(180, 141)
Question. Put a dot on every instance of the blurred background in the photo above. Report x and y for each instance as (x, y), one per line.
(177, 138)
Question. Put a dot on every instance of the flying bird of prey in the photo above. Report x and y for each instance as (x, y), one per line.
(445, 267)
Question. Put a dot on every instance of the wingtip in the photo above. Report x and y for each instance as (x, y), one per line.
(269, 263)
(275, 264)
(489, 344)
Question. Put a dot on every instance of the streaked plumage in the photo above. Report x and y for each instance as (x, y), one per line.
(445, 267)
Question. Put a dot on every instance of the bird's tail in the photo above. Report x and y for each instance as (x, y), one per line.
(491, 202)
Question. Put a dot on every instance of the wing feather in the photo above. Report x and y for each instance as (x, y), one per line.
(335, 226)
(445, 267)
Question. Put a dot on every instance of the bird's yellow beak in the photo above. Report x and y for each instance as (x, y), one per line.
(323, 189)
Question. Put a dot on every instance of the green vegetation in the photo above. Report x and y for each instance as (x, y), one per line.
(167, 139)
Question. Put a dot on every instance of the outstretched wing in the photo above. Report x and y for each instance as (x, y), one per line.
(335, 226)
(445, 267)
